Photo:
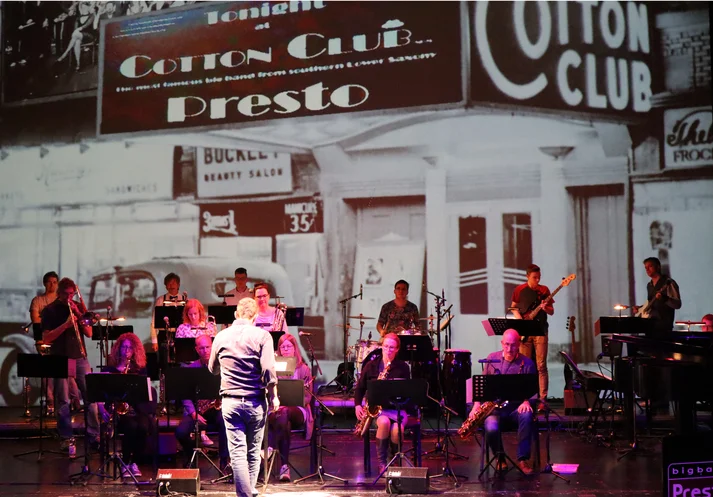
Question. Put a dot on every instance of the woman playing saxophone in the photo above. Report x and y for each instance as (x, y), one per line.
(386, 419)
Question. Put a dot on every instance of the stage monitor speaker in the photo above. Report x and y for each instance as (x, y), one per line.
(406, 480)
(182, 481)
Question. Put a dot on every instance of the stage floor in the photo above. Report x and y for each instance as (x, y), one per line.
(599, 472)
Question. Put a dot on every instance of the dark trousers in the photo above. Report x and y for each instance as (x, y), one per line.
(281, 424)
(524, 430)
(215, 423)
(138, 430)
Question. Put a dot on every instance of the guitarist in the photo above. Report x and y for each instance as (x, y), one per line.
(525, 299)
(662, 294)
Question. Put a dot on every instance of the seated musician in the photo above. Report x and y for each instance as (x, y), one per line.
(194, 321)
(398, 314)
(386, 422)
(288, 417)
(268, 318)
(138, 424)
(510, 361)
(207, 413)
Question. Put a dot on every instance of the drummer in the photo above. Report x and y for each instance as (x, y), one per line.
(399, 314)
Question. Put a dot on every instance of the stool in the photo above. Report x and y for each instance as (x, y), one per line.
(487, 461)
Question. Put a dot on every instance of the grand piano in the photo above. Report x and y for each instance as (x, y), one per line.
(675, 366)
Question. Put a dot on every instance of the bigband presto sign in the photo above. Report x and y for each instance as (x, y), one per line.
(591, 57)
(235, 62)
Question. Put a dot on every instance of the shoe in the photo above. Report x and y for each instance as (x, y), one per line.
(134, 469)
(285, 473)
(205, 440)
(525, 467)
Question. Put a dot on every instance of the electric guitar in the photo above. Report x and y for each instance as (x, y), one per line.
(530, 314)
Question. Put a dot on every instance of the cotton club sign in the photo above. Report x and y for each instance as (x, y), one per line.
(579, 56)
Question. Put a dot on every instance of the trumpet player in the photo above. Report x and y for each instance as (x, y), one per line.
(388, 368)
(268, 318)
(136, 422)
(207, 413)
(64, 328)
(509, 360)
(195, 321)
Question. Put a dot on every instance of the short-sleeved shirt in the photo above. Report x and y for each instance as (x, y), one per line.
(66, 344)
(527, 298)
(398, 318)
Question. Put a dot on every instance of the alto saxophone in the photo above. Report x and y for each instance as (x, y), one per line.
(472, 423)
(370, 413)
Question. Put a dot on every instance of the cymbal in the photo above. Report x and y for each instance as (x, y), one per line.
(429, 318)
(360, 317)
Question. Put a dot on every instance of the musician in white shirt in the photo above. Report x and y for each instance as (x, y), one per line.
(241, 289)
(173, 285)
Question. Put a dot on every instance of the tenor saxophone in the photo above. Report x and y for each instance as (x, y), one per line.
(370, 412)
(474, 422)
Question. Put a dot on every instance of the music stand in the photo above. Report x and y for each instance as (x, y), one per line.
(526, 328)
(105, 334)
(43, 367)
(295, 316)
(194, 384)
(490, 388)
(112, 389)
(276, 338)
(174, 313)
(185, 350)
(285, 367)
(609, 325)
(223, 314)
(290, 393)
(399, 393)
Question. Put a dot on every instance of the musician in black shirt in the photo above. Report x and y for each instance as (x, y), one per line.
(662, 294)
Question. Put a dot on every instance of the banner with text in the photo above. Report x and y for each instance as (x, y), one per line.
(289, 216)
(688, 137)
(236, 62)
(592, 57)
(233, 173)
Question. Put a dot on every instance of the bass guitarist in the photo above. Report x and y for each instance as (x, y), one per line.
(526, 299)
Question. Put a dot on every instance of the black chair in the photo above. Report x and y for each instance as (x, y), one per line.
(507, 425)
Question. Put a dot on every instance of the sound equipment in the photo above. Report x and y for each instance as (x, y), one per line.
(171, 481)
(406, 480)
(575, 403)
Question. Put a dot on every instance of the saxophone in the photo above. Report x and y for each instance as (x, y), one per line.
(370, 413)
(472, 423)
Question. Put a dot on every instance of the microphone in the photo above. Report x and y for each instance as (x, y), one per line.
(305, 334)
(488, 361)
(165, 320)
(361, 291)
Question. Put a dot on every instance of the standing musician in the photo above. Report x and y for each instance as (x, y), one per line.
(386, 421)
(287, 418)
(241, 289)
(172, 282)
(398, 314)
(194, 321)
(244, 357)
(268, 318)
(137, 423)
(206, 413)
(50, 281)
(510, 361)
(662, 294)
(63, 330)
(526, 298)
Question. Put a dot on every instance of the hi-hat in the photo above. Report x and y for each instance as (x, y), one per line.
(360, 317)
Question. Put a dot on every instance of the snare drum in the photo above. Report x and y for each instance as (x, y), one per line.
(363, 349)
(456, 370)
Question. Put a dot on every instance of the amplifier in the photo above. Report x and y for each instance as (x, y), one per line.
(169, 481)
(406, 480)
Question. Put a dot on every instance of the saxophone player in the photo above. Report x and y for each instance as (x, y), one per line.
(386, 421)
(63, 329)
(510, 361)
(207, 413)
(268, 318)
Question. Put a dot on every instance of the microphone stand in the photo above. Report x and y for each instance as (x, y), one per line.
(347, 377)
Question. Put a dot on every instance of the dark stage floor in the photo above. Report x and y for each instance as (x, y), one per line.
(599, 472)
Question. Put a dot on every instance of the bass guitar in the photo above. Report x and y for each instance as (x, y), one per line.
(530, 314)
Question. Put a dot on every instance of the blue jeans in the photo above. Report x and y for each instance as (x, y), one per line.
(245, 424)
(61, 398)
(524, 430)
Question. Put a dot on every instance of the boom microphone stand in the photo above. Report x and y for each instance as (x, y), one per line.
(348, 378)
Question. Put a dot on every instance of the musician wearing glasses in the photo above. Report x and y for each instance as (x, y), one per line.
(135, 421)
(288, 418)
(388, 368)
(207, 413)
(510, 361)
(63, 329)
(662, 295)
(268, 318)
(195, 322)
(172, 282)
(398, 314)
(241, 289)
